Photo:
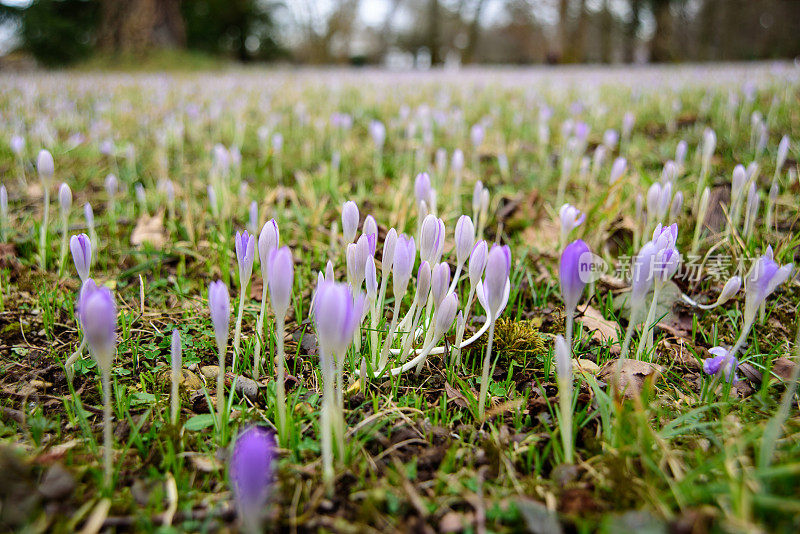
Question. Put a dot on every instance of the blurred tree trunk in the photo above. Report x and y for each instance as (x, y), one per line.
(660, 45)
(607, 33)
(631, 29)
(434, 24)
(563, 28)
(139, 25)
(576, 52)
(474, 33)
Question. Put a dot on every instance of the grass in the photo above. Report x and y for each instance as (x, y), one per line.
(681, 456)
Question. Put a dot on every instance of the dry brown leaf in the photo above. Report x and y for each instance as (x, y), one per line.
(603, 330)
(629, 375)
(586, 366)
(455, 395)
(783, 367)
(206, 464)
(244, 386)
(149, 230)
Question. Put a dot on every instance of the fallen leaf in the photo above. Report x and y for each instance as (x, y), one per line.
(206, 464)
(603, 330)
(538, 518)
(455, 396)
(149, 230)
(783, 367)
(455, 522)
(629, 375)
(584, 365)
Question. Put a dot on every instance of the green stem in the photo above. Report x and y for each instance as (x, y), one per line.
(280, 385)
(43, 230)
(487, 361)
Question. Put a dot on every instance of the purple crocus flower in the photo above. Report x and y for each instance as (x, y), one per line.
(617, 170)
(98, 317)
(477, 262)
(268, 240)
(405, 253)
(445, 314)
(370, 228)
(17, 144)
(476, 135)
(46, 167)
(424, 275)
(281, 276)
(219, 305)
(251, 471)
(431, 238)
(349, 221)
(422, 189)
(573, 271)
(245, 255)
(252, 224)
(440, 282)
(378, 133)
(64, 198)
(764, 277)
(337, 314)
(722, 363)
(111, 185)
(494, 290)
(570, 217)
(81, 248)
(465, 238)
(457, 161)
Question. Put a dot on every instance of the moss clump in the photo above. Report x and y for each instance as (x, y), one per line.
(515, 339)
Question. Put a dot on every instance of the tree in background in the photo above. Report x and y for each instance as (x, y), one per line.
(55, 32)
(242, 28)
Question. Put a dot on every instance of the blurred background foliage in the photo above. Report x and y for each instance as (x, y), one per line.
(410, 33)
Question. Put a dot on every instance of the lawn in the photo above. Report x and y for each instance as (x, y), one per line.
(388, 417)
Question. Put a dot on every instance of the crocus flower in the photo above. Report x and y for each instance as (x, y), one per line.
(349, 221)
(783, 152)
(477, 262)
(46, 167)
(111, 184)
(252, 225)
(336, 315)
(723, 363)
(370, 227)
(573, 272)
(465, 239)
(476, 135)
(457, 162)
(268, 239)
(445, 315)
(617, 170)
(245, 255)
(403, 262)
(431, 238)
(81, 248)
(219, 304)
(493, 295)
(378, 133)
(440, 282)
(64, 198)
(281, 276)
(98, 317)
(251, 471)
(423, 190)
(17, 144)
(493, 292)
(764, 277)
(570, 218)
(97, 314)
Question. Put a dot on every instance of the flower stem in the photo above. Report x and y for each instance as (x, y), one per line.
(280, 389)
(259, 333)
(565, 405)
(487, 361)
(43, 230)
(647, 333)
(237, 336)
(221, 386)
(107, 437)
